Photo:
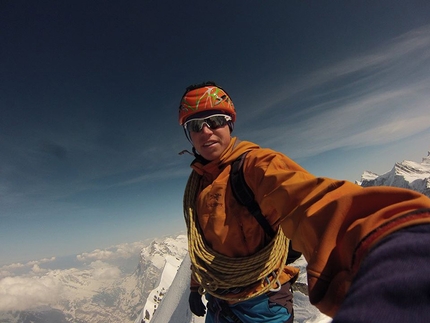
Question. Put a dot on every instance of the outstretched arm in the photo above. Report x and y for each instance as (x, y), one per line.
(333, 223)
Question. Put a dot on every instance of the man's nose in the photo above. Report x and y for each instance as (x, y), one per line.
(206, 128)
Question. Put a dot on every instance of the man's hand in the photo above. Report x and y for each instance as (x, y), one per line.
(196, 304)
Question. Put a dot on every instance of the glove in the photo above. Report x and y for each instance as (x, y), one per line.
(196, 304)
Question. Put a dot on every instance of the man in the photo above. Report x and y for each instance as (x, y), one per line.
(362, 245)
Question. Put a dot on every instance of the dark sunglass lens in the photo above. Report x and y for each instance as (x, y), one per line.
(212, 122)
(196, 125)
(216, 122)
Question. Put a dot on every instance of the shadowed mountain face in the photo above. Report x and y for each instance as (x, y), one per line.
(43, 316)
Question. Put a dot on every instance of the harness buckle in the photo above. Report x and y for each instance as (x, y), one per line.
(278, 283)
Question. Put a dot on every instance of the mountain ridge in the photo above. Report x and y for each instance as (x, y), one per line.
(406, 174)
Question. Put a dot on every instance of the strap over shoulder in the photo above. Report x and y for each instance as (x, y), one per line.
(244, 195)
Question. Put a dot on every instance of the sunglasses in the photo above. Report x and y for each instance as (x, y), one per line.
(213, 122)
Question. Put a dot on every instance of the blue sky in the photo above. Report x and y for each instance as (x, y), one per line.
(89, 94)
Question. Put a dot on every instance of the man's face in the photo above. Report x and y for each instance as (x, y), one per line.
(211, 143)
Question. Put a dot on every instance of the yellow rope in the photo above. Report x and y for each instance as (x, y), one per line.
(215, 272)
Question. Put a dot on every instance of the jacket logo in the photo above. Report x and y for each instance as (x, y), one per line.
(213, 200)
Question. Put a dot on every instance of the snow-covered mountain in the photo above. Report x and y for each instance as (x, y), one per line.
(167, 258)
(407, 174)
(100, 292)
(173, 305)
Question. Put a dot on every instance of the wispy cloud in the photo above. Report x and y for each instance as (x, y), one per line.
(398, 57)
(104, 271)
(124, 250)
(372, 98)
(8, 270)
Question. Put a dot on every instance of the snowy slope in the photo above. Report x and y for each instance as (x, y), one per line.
(167, 256)
(407, 174)
(174, 306)
(170, 269)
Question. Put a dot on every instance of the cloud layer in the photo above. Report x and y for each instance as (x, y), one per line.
(41, 286)
(21, 293)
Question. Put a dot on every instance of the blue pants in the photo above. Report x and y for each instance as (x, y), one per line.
(267, 308)
(393, 282)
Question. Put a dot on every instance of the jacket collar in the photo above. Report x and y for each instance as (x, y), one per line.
(230, 154)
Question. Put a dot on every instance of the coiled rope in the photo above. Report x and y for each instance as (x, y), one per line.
(215, 272)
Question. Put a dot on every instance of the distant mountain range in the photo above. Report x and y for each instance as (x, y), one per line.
(407, 174)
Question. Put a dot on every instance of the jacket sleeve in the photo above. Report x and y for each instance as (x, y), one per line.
(333, 223)
(194, 286)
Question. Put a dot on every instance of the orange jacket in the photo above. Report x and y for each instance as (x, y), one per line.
(333, 223)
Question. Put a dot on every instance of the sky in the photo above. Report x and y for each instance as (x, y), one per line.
(89, 96)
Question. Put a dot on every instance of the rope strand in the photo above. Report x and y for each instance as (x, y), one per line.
(214, 271)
